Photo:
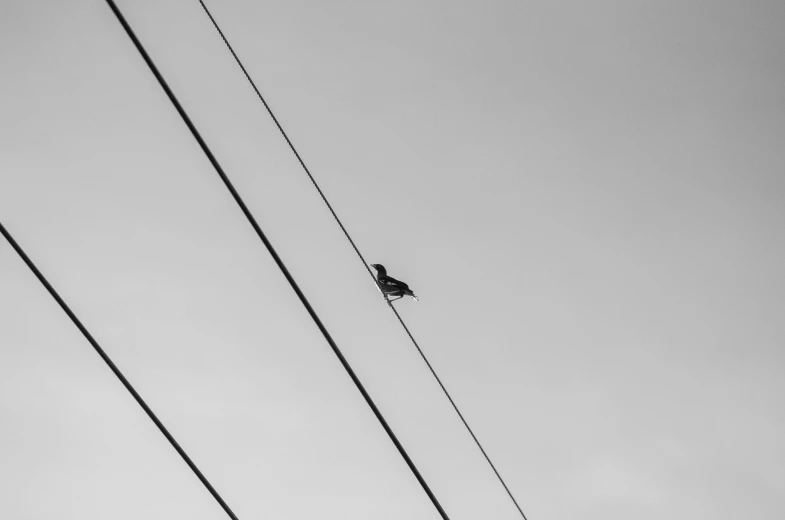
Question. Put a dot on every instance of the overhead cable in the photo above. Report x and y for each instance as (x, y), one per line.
(357, 250)
(295, 287)
(89, 337)
(286, 137)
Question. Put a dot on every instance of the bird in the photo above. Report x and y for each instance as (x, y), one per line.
(390, 286)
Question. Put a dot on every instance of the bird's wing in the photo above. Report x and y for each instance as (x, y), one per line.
(397, 283)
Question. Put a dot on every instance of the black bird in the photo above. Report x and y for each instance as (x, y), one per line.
(390, 286)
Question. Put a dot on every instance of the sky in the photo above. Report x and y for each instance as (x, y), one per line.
(587, 197)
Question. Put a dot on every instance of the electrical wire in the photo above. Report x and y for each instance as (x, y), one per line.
(89, 337)
(286, 137)
(460, 415)
(359, 254)
(295, 287)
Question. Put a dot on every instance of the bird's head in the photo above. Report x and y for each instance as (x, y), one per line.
(379, 268)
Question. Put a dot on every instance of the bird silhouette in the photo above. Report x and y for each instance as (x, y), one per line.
(390, 286)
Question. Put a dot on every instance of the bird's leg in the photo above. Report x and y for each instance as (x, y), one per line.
(398, 298)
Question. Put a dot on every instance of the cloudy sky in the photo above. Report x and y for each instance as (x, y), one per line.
(587, 197)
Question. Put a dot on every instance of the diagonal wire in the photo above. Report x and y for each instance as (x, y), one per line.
(455, 407)
(286, 137)
(284, 270)
(114, 369)
(357, 250)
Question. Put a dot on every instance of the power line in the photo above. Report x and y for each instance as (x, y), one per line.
(219, 170)
(455, 406)
(286, 137)
(359, 254)
(116, 370)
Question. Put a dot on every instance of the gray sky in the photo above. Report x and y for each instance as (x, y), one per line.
(586, 196)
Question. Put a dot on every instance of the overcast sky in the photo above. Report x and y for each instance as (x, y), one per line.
(587, 197)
